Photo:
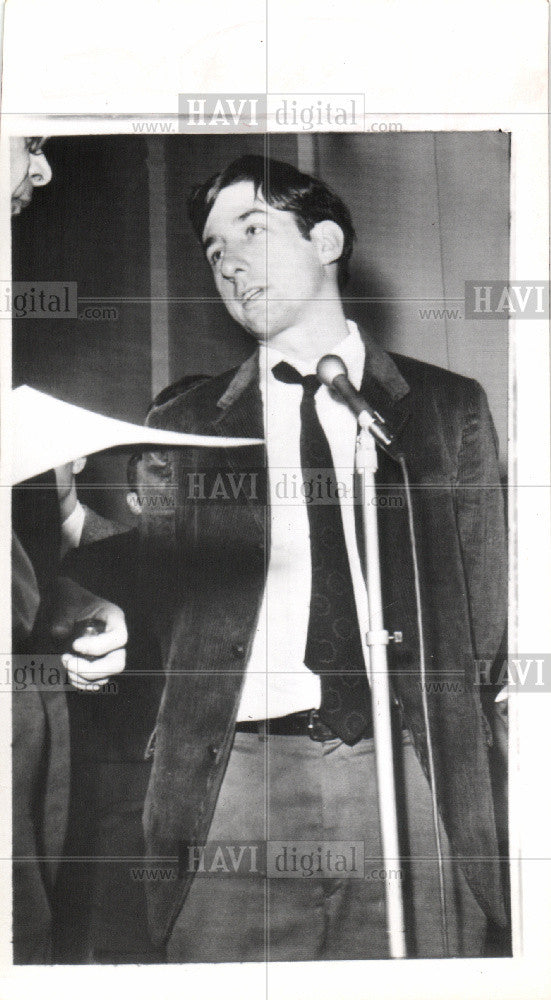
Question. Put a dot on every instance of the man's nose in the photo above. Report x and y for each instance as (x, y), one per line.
(40, 172)
(234, 262)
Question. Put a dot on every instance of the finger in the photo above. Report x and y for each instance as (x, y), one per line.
(87, 685)
(104, 666)
(91, 670)
(99, 645)
(77, 681)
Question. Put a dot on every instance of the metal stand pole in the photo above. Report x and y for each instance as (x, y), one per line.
(377, 641)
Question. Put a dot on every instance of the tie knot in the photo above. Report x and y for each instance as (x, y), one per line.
(284, 372)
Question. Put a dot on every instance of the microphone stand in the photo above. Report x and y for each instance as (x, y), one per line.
(377, 641)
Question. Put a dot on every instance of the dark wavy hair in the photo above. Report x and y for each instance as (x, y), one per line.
(283, 187)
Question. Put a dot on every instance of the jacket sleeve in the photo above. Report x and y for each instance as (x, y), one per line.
(480, 516)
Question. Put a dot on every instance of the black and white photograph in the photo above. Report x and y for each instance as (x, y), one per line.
(274, 525)
(221, 621)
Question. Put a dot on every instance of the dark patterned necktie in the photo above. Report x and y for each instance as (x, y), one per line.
(333, 644)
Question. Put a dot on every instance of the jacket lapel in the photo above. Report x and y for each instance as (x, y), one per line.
(383, 387)
(241, 415)
(240, 406)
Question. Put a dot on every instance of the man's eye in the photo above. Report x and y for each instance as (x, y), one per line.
(253, 229)
(215, 257)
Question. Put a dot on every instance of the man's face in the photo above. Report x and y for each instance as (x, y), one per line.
(269, 276)
(153, 475)
(29, 168)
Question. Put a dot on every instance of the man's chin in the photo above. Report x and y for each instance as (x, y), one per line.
(257, 332)
(259, 326)
(262, 332)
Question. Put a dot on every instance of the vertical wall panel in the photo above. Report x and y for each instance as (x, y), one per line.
(431, 212)
(473, 173)
(160, 340)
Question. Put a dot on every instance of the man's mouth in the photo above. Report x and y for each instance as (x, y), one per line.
(251, 295)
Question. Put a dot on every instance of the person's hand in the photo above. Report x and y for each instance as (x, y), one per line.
(93, 658)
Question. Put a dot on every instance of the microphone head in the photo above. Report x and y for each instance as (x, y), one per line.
(329, 367)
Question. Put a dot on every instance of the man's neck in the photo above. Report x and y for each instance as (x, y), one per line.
(317, 337)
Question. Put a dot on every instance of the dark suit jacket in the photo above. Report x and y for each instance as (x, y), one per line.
(218, 552)
(116, 726)
(96, 527)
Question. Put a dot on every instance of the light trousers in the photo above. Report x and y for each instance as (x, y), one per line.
(318, 800)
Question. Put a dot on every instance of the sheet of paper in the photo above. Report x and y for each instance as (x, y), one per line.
(48, 432)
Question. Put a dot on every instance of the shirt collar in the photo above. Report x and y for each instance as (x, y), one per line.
(351, 349)
(71, 528)
(379, 367)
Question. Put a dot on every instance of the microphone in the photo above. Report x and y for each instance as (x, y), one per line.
(332, 371)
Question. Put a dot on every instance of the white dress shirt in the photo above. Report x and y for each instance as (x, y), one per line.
(277, 682)
(71, 529)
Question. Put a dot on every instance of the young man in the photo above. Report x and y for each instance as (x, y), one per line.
(264, 732)
(263, 746)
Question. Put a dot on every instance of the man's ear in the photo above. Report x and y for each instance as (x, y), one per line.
(328, 239)
(133, 502)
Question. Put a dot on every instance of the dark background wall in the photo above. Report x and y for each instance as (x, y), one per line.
(90, 225)
(431, 211)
